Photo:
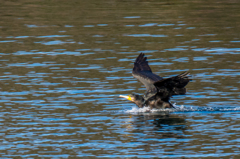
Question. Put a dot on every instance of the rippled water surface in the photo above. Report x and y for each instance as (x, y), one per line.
(64, 64)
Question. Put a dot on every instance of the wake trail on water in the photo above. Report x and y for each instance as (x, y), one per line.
(182, 109)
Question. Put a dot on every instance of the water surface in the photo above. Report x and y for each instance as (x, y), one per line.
(64, 64)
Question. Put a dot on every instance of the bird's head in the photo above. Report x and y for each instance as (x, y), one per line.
(135, 98)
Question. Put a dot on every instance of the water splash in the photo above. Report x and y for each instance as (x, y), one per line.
(182, 108)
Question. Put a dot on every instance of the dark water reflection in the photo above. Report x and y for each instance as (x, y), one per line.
(64, 64)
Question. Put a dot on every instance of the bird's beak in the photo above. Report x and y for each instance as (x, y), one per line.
(126, 97)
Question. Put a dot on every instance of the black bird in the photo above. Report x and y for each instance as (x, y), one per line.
(159, 90)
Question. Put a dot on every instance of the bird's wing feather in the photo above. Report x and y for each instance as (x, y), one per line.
(141, 64)
(173, 85)
(143, 73)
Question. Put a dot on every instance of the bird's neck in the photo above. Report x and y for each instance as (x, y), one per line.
(141, 103)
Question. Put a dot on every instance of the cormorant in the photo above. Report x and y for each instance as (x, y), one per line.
(159, 90)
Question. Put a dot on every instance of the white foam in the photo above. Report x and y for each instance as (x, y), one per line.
(147, 109)
(136, 110)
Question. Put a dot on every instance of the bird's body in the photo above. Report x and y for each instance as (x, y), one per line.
(159, 90)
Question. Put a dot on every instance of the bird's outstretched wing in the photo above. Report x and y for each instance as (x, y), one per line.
(141, 64)
(172, 86)
(143, 73)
